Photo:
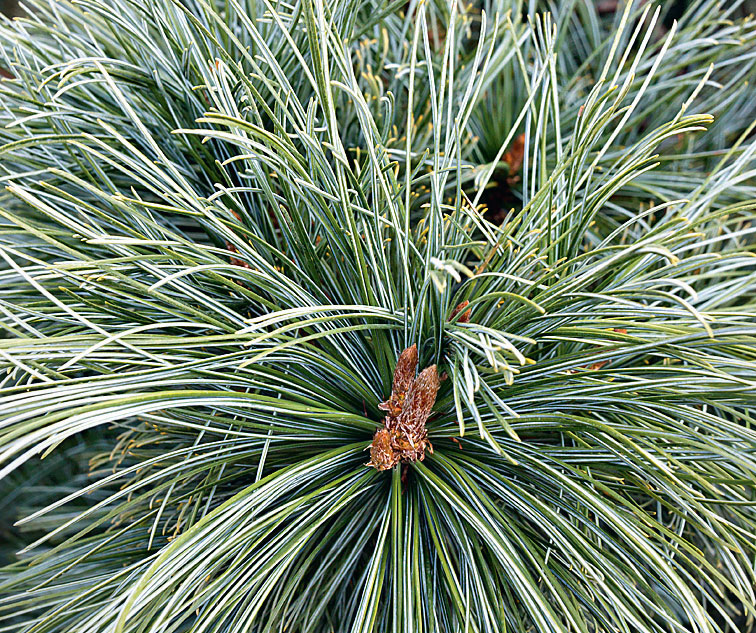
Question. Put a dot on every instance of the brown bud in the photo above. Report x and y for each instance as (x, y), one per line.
(406, 365)
(235, 261)
(465, 318)
(404, 374)
(598, 365)
(403, 436)
(421, 398)
(382, 454)
(514, 155)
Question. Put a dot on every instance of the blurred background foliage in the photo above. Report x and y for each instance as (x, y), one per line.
(11, 7)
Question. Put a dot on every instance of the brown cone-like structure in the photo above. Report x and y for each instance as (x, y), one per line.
(403, 436)
(465, 317)
(404, 375)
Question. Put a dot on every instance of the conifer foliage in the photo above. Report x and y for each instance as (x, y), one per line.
(426, 316)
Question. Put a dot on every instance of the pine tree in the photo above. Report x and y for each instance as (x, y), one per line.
(377, 316)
